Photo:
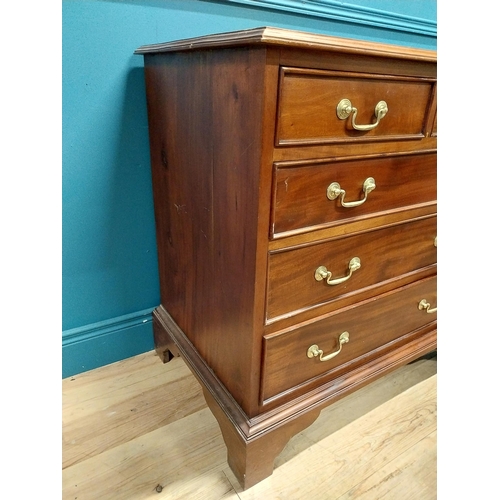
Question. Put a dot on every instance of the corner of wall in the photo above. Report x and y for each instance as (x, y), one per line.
(99, 344)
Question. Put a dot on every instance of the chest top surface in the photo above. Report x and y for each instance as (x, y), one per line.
(281, 37)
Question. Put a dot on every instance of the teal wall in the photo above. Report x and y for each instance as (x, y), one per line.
(110, 275)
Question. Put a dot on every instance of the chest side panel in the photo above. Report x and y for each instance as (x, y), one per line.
(205, 119)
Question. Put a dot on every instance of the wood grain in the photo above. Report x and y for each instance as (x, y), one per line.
(299, 191)
(355, 453)
(385, 254)
(98, 404)
(291, 38)
(206, 161)
(307, 110)
(372, 326)
(221, 119)
(371, 444)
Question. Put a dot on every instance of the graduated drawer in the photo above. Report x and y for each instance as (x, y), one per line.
(308, 102)
(306, 194)
(289, 359)
(294, 274)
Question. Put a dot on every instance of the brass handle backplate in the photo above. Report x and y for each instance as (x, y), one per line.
(322, 273)
(315, 351)
(345, 108)
(333, 191)
(423, 305)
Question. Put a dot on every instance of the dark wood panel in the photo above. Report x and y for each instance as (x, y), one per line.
(435, 126)
(205, 120)
(381, 64)
(300, 189)
(384, 253)
(227, 281)
(307, 110)
(322, 151)
(370, 325)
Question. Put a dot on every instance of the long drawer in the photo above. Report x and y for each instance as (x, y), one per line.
(319, 273)
(312, 107)
(308, 195)
(291, 357)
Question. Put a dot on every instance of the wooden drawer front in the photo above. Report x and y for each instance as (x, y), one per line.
(370, 325)
(307, 109)
(300, 190)
(384, 255)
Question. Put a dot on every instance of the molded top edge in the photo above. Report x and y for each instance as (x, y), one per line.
(289, 38)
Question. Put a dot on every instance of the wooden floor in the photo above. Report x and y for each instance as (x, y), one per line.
(139, 429)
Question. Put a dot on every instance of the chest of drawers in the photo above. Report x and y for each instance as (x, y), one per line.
(294, 182)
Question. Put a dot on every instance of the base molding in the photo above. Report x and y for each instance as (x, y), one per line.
(254, 443)
(98, 344)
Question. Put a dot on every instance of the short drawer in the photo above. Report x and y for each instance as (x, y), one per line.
(313, 107)
(313, 194)
(304, 277)
(289, 356)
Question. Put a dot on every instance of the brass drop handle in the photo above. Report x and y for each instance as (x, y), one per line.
(323, 273)
(333, 191)
(314, 351)
(345, 108)
(424, 305)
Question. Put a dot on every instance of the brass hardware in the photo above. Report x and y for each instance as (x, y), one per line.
(315, 351)
(345, 108)
(323, 273)
(423, 304)
(333, 191)
(436, 241)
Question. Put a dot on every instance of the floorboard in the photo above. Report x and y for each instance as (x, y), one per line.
(140, 429)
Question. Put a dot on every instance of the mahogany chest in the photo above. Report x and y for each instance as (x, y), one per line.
(294, 180)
